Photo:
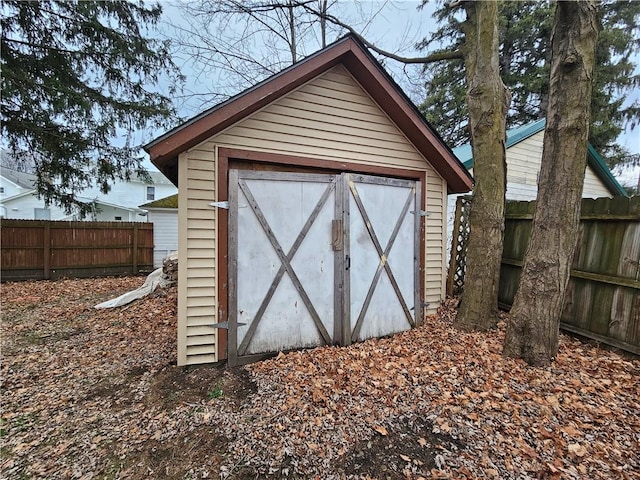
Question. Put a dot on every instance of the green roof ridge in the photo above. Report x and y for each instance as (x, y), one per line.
(166, 202)
(603, 171)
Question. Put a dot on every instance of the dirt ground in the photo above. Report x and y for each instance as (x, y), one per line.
(96, 394)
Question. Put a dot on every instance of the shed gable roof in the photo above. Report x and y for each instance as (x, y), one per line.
(518, 134)
(351, 53)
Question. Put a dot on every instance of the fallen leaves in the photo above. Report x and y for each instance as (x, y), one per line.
(577, 449)
(381, 430)
(92, 393)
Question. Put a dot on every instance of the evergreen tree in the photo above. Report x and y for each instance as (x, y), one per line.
(614, 78)
(75, 75)
(525, 32)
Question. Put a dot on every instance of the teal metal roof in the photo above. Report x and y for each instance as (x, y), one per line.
(601, 169)
(518, 134)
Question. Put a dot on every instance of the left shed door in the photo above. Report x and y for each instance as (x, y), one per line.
(281, 262)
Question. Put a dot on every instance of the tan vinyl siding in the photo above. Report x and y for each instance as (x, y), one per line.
(197, 305)
(330, 118)
(435, 238)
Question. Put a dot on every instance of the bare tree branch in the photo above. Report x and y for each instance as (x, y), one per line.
(435, 57)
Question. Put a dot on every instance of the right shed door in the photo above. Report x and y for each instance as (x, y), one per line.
(381, 257)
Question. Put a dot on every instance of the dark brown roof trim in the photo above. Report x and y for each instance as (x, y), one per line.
(363, 66)
(408, 118)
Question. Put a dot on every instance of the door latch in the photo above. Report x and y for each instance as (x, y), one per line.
(337, 235)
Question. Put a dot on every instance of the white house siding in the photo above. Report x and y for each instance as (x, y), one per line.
(122, 200)
(329, 118)
(9, 189)
(109, 213)
(524, 160)
(165, 233)
(593, 186)
(132, 193)
(523, 165)
(23, 207)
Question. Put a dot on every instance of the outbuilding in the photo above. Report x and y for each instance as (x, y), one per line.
(163, 213)
(312, 211)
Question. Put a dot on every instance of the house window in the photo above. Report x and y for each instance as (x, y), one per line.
(151, 193)
(41, 214)
(1, 189)
(118, 218)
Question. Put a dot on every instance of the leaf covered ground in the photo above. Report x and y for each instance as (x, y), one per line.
(96, 394)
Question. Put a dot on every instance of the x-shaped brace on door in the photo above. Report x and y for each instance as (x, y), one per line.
(285, 266)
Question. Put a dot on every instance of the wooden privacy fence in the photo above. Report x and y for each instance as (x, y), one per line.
(42, 249)
(603, 296)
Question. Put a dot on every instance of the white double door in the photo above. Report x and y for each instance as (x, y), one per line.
(319, 260)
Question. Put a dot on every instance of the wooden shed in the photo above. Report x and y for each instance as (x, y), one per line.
(312, 212)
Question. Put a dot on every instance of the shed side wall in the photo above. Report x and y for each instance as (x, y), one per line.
(197, 304)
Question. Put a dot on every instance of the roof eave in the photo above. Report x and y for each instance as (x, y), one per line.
(164, 150)
(405, 114)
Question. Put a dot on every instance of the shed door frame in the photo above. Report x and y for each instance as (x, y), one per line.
(284, 163)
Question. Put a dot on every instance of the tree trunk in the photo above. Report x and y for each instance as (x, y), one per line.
(323, 22)
(532, 331)
(488, 101)
(293, 45)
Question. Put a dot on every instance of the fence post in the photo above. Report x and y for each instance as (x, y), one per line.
(47, 252)
(135, 249)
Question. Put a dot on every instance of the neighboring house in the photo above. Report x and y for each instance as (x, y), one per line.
(163, 214)
(524, 156)
(18, 198)
(132, 193)
(312, 211)
(13, 183)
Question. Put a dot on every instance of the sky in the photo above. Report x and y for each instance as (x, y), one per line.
(392, 25)
(395, 27)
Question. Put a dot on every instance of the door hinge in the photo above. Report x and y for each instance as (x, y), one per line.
(224, 204)
(422, 213)
(422, 305)
(224, 325)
